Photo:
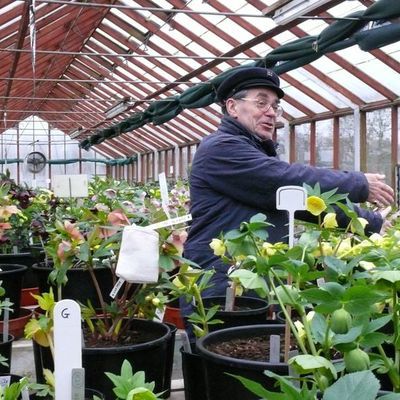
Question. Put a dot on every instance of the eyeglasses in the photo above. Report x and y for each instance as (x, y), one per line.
(264, 106)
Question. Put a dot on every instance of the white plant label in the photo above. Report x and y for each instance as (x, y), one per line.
(5, 381)
(116, 288)
(162, 180)
(291, 199)
(274, 349)
(67, 346)
(170, 222)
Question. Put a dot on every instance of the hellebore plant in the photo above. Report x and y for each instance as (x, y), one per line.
(90, 237)
(343, 289)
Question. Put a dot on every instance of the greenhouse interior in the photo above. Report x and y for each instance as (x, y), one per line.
(199, 199)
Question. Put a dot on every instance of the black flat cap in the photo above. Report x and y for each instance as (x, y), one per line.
(250, 77)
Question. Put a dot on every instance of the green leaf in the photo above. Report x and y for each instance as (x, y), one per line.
(358, 299)
(258, 390)
(234, 234)
(335, 289)
(250, 280)
(319, 328)
(84, 251)
(377, 323)
(306, 363)
(374, 339)
(361, 385)
(317, 296)
(348, 337)
(390, 276)
(390, 396)
(258, 218)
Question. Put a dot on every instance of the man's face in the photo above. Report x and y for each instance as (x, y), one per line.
(254, 111)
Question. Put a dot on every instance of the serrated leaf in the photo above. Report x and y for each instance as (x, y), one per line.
(374, 339)
(361, 385)
(348, 337)
(309, 363)
(258, 389)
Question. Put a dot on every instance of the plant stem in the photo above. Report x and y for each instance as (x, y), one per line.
(396, 329)
(200, 307)
(99, 292)
(288, 319)
(392, 372)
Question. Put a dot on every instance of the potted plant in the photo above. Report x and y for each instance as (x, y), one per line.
(24, 212)
(113, 326)
(343, 289)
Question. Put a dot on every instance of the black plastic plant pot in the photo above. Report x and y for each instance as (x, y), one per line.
(27, 257)
(149, 356)
(13, 379)
(80, 285)
(193, 375)
(247, 311)
(169, 361)
(220, 385)
(89, 393)
(6, 351)
(11, 276)
(43, 359)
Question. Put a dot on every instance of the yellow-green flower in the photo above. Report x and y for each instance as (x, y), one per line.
(367, 265)
(362, 221)
(218, 246)
(344, 248)
(325, 249)
(315, 205)
(330, 221)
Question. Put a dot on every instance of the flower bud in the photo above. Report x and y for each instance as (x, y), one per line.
(356, 360)
(341, 321)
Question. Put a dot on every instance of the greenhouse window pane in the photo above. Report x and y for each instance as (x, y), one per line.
(346, 143)
(379, 142)
(302, 133)
(324, 143)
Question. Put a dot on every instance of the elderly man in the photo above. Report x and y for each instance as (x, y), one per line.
(236, 171)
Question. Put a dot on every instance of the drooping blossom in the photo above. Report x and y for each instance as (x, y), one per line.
(330, 221)
(7, 211)
(177, 239)
(62, 249)
(218, 246)
(72, 231)
(315, 205)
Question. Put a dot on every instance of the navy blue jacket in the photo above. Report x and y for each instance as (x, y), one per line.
(233, 178)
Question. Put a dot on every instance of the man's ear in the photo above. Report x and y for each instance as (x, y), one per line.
(231, 106)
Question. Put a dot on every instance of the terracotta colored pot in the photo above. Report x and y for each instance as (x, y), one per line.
(173, 316)
(26, 296)
(17, 325)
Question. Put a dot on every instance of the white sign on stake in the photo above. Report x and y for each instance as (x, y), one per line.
(67, 350)
(162, 180)
(291, 199)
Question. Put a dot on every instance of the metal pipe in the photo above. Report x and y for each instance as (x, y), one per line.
(127, 55)
(52, 112)
(110, 100)
(75, 121)
(152, 9)
(64, 80)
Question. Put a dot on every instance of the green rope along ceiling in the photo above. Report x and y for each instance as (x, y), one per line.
(339, 35)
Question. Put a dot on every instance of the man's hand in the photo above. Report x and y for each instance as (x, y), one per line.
(379, 192)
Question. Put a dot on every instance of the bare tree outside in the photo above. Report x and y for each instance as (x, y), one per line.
(379, 142)
(303, 144)
(324, 143)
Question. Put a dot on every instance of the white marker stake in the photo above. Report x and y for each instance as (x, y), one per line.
(291, 199)
(68, 347)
